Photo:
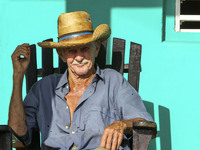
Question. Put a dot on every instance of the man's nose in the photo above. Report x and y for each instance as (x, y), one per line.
(79, 56)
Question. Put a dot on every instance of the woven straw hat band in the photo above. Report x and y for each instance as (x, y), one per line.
(77, 36)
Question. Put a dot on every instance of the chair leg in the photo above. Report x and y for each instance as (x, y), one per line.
(5, 138)
(141, 139)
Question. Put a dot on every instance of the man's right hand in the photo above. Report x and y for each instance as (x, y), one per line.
(21, 59)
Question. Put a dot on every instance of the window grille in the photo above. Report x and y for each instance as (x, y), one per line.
(187, 17)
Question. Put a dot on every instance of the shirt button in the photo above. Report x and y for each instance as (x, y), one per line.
(73, 132)
(67, 107)
(66, 127)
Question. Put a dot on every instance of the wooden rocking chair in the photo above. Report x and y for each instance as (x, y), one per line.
(143, 130)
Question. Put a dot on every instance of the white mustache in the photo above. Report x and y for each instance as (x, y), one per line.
(84, 61)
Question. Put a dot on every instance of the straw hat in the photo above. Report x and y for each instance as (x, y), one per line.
(76, 29)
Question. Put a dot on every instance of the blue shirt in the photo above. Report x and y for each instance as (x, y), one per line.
(108, 98)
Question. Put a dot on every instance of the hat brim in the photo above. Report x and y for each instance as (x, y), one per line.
(101, 33)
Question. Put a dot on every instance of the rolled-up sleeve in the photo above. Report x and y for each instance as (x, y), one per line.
(31, 110)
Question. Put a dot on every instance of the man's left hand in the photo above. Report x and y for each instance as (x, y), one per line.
(113, 135)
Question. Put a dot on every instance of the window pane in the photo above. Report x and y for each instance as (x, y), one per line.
(190, 25)
(190, 7)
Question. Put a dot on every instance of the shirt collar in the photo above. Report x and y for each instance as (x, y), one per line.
(99, 73)
(64, 78)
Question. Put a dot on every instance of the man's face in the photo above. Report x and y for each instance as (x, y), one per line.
(80, 59)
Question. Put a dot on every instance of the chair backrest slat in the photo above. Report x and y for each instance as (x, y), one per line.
(101, 58)
(134, 65)
(31, 77)
(62, 66)
(31, 72)
(47, 60)
(118, 55)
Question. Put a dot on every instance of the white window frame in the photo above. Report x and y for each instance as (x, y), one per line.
(181, 18)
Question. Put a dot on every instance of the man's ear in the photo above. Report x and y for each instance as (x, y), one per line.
(98, 46)
(60, 54)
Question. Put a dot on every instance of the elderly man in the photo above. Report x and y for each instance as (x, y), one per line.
(86, 107)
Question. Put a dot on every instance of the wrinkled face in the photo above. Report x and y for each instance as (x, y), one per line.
(80, 59)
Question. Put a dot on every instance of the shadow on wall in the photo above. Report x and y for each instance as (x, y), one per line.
(164, 125)
(102, 9)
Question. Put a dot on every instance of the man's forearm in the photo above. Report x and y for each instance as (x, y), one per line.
(16, 110)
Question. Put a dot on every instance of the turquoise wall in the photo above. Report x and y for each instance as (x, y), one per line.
(170, 61)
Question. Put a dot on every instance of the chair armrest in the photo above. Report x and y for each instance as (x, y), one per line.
(146, 125)
(9, 139)
(143, 132)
